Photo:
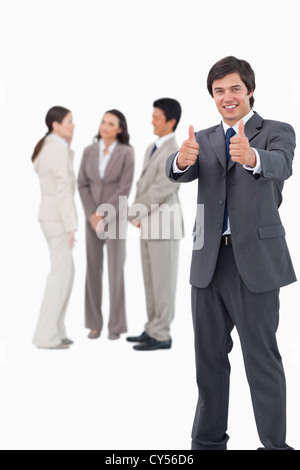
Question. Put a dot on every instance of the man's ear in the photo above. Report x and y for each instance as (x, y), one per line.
(173, 122)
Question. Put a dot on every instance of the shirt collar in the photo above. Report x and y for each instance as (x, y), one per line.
(111, 148)
(163, 139)
(59, 139)
(236, 126)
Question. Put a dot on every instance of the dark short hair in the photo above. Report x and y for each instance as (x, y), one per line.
(171, 109)
(230, 65)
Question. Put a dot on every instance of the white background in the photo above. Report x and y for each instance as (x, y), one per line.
(91, 56)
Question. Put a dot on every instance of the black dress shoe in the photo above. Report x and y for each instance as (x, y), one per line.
(138, 339)
(153, 345)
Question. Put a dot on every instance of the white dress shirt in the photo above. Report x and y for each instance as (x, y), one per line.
(164, 139)
(104, 158)
(59, 139)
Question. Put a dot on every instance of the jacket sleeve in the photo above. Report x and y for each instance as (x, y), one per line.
(63, 189)
(191, 174)
(157, 193)
(277, 158)
(89, 205)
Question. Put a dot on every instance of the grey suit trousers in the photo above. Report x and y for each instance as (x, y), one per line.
(160, 267)
(226, 303)
(116, 254)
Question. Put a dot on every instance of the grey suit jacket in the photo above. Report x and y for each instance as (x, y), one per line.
(157, 203)
(258, 236)
(117, 181)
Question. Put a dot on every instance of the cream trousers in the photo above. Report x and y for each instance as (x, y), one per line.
(50, 330)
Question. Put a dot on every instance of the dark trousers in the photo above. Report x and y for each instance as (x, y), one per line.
(216, 310)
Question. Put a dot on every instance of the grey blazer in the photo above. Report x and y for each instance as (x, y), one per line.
(258, 236)
(160, 214)
(117, 181)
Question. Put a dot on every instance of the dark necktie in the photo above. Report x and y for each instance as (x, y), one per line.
(153, 151)
(229, 134)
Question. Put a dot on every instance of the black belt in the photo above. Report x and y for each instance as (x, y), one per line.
(227, 240)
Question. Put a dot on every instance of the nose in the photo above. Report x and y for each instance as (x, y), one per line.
(228, 97)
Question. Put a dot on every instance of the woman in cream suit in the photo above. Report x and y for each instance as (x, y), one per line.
(53, 162)
(106, 173)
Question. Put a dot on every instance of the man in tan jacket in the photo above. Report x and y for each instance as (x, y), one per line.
(157, 212)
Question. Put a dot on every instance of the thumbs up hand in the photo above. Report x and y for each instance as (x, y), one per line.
(189, 151)
(240, 149)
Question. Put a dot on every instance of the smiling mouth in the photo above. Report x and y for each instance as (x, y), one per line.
(231, 107)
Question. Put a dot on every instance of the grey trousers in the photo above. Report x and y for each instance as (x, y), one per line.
(116, 254)
(216, 310)
(160, 268)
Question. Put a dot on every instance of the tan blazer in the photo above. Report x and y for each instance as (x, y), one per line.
(157, 194)
(54, 165)
(117, 181)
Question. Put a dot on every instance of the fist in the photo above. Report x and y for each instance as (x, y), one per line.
(189, 151)
(240, 149)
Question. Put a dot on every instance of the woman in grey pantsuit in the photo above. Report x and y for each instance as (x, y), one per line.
(106, 173)
(53, 161)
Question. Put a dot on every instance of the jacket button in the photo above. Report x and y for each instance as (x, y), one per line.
(221, 201)
(219, 226)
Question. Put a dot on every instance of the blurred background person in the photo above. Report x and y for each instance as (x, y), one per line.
(106, 173)
(53, 162)
(161, 223)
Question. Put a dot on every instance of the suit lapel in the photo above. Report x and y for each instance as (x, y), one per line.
(112, 161)
(253, 126)
(150, 161)
(252, 129)
(217, 140)
(95, 160)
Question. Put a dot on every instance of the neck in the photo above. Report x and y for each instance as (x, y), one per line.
(58, 135)
(109, 142)
(165, 134)
(233, 122)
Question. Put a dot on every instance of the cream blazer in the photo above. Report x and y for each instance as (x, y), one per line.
(54, 165)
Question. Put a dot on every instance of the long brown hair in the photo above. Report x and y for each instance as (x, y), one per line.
(123, 137)
(55, 114)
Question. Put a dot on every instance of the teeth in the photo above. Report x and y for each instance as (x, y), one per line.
(231, 107)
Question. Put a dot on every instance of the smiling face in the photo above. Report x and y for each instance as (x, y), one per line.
(232, 98)
(160, 124)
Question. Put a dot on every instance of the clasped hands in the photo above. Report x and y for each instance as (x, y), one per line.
(240, 150)
(96, 222)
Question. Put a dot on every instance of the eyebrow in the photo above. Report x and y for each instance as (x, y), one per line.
(233, 86)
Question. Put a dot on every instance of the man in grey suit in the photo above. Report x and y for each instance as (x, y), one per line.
(157, 212)
(241, 166)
